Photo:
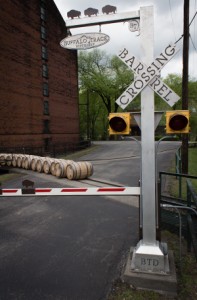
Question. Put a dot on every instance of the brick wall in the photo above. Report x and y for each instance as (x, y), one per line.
(32, 64)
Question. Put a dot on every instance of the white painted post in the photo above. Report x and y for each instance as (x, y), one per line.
(147, 131)
(148, 254)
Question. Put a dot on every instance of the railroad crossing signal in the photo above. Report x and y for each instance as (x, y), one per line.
(147, 75)
(177, 121)
(149, 256)
(119, 123)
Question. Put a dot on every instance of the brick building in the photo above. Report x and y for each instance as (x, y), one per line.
(38, 78)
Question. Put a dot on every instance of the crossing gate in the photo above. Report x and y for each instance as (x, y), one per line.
(84, 191)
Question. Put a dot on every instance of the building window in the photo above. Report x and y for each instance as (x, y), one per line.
(44, 53)
(43, 15)
(45, 72)
(45, 89)
(43, 33)
(46, 108)
(46, 126)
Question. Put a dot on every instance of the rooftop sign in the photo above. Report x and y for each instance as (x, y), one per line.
(85, 41)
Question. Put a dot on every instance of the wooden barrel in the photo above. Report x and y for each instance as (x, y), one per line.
(34, 162)
(79, 170)
(19, 160)
(61, 167)
(23, 161)
(2, 159)
(47, 164)
(39, 164)
(9, 160)
(14, 160)
(52, 166)
(5, 159)
(27, 161)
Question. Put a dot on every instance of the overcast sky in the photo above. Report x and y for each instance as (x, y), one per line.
(168, 28)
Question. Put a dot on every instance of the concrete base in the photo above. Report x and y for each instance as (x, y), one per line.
(161, 283)
(150, 258)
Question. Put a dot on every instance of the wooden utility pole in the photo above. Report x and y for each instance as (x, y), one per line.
(185, 77)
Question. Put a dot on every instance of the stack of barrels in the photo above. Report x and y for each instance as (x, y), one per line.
(60, 168)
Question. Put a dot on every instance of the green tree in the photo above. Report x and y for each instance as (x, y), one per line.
(103, 75)
(102, 79)
(93, 116)
(192, 86)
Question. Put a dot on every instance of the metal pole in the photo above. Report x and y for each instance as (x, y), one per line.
(156, 179)
(177, 207)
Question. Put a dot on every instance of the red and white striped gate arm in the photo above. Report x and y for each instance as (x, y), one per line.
(90, 191)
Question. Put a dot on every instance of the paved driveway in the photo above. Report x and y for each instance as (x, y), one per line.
(62, 247)
(59, 248)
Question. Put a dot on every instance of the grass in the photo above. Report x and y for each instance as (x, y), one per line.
(78, 154)
(8, 176)
(186, 276)
(193, 165)
(193, 161)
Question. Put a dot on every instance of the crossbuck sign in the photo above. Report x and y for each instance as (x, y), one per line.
(147, 76)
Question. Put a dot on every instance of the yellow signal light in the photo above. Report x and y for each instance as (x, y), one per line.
(177, 121)
(119, 123)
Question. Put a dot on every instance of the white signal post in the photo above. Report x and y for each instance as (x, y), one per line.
(148, 254)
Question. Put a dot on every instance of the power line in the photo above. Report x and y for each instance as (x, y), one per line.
(193, 18)
(193, 43)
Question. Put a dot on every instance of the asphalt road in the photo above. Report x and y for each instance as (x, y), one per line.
(120, 161)
(59, 248)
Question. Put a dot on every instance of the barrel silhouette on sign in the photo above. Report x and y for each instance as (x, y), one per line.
(79, 170)
(61, 167)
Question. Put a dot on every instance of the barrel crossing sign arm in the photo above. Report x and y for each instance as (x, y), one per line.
(148, 76)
